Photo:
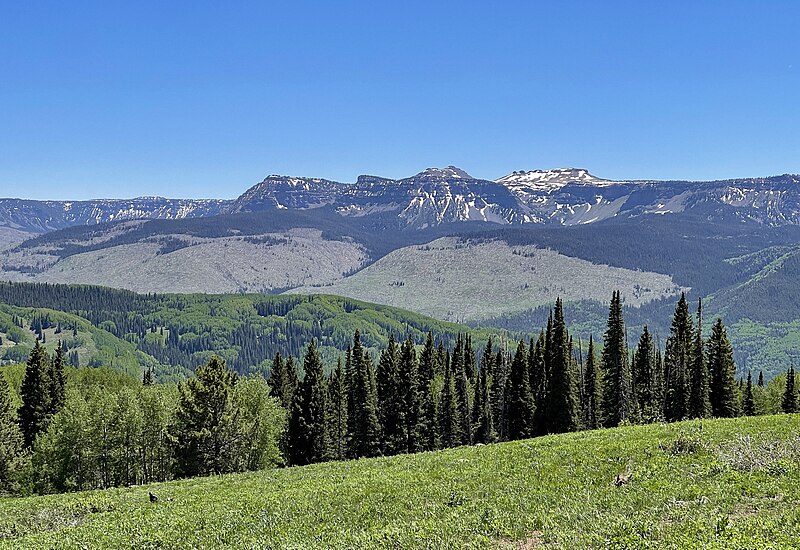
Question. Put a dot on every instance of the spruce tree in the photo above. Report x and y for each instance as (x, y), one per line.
(204, 433)
(761, 379)
(676, 363)
(11, 441)
(537, 373)
(724, 392)
(306, 431)
(426, 433)
(409, 399)
(487, 362)
(34, 414)
(484, 423)
(363, 429)
(699, 405)
(748, 403)
(645, 378)
(58, 381)
(461, 378)
(147, 377)
(336, 430)
(449, 413)
(283, 380)
(562, 387)
(519, 399)
(616, 405)
(391, 403)
(498, 393)
(789, 402)
(591, 390)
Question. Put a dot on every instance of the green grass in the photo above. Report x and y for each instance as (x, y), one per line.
(715, 484)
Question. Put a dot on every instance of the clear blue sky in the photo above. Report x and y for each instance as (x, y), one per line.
(204, 99)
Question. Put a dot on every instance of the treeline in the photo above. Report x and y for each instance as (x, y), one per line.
(440, 398)
(181, 331)
(96, 428)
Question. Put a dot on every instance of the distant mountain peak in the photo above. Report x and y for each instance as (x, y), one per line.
(449, 172)
(550, 180)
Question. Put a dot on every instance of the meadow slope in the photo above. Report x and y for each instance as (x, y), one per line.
(711, 484)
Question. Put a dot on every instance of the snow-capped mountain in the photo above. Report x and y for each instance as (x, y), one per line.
(436, 196)
(42, 216)
(564, 196)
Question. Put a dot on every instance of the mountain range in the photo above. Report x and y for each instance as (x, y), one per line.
(448, 245)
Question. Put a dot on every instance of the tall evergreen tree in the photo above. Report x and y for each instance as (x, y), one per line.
(426, 431)
(748, 402)
(789, 402)
(645, 378)
(761, 379)
(616, 369)
(484, 423)
(487, 362)
(449, 412)
(391, 402)
(58, 380)
(34, 414)
(11, 441)
(537, 373)
(562, 387)
(498, 393)
(676, 363)
(591, 390)
(204, 433)
(283, 380)
(306, 431)
(519, 399)
(724, 392)
(147, 377)
(409, 396)
(363, 429)
(461, 377)
(337, 413)
(699, 405)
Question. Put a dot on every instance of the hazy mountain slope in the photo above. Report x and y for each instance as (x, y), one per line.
(186, 264)
(42, 216)
(464, 280)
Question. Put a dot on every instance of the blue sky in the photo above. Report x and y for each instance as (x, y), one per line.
(204, 99)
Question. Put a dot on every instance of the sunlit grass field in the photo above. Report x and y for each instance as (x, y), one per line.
(710, 484)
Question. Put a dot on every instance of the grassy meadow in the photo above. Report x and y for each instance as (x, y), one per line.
(710, 484)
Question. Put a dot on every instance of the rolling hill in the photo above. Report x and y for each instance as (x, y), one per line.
(710, 484)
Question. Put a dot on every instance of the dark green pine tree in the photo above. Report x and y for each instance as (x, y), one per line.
(58, 381)
(789, 402)
(562, 388)
(748, 402)
(519, 399)
(470, 364)
(724, 392)
(461, 377)
(498, 393)
(409, 396)
(336, 430)
(34, 414)
(204, 432)
(617, 397)
(306, 430)
(699, 405)
(537, 373)
(11, 441)
(645, 378)
(426, 432)
(147, 377)
(363, 426)
(591, 394)
(449, 414)
(484, 421)
(761, 379)
(677, 357)
(391, 403)
(283, 380)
